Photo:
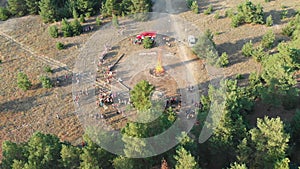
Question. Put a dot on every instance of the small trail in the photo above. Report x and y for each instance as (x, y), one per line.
(49, 61)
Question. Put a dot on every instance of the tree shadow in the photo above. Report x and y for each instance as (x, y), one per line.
(276, 15)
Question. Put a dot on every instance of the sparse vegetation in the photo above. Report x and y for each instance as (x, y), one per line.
(48, 69)
(195, 7)
(98, 21)
(229, 13)
(284, 13)
(82, 19)
(258, 53)
(217, 15)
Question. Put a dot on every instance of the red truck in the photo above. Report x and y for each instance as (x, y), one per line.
(139, 38)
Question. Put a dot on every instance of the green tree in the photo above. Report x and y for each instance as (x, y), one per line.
(110, 8)
(140, 6)
(268, 39)
(47, 10)
(4, 14)
(70, 156)
(18, 164)
(98, 21)
(140, 95)
(195, 7)
(60, 46)
(33, 6)
(87, 7)
(82, 19)
(148, 43)
(23, 81)
(17, 7)
(269, 20)
(76, 27)
(265, 144)
(282, 164)
(66, 28)
(223, 60)
(46, 82)
(247, 49)
(53, 31)
(122, 162)
(44, 151)
(184, 159)
(236, 165)
(12, 151)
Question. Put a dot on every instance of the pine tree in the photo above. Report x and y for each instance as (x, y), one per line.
(184, 159)
(47, 10)
(23, 81)
(17, 7)
(140, 95)
(33, 6)
(70, 156)
(66, 28)
(236, 165)
(76, 27)
(265, 145)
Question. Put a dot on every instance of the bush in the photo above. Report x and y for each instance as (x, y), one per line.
(208, 33)
(223, 60)
(247, 49)
(4, 14)
(53, 31)
(75, 14)
(284, 14)
(82, 19)
(23, 81)
(217, 15)
(189, 3)
(115, 21)
(258, 54)
(195, 7)
(269, 20)
(48, 69)
(237, 20)
(46, 82)
(229, 13)
(248, 13)
(288, 29)
(98, 21)
(239, 77)
(268, 40)
(76, 27)
(60, 46)
(66, 28)
(147, 43)
(208, 10)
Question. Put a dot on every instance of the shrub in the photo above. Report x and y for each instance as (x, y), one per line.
(248, 13)
(66, 28)
(75, 14)
(229, 13)
(223, 60)
(239, 76)
(269, 20)
(147, 43)
(208, 33)
(23, 81)
(115, 21)
(268, 39)
(98, 21)
(82, 19)
(195, 7)
(46, 82)
(60, 46)
(258, 54)
(288, 29)
(247, 49)
(48, 69)
(284, 14)
(76, 27)
(237, 20)
(208, 10)
(189, 3)
(217, 15)
(53, 31)
(4, 13)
